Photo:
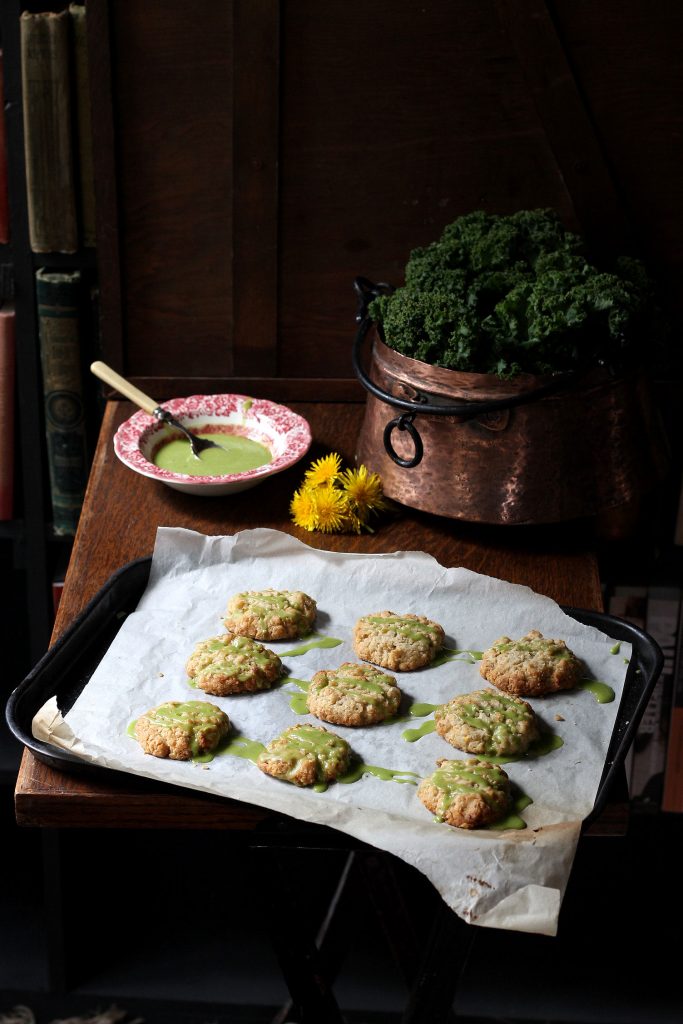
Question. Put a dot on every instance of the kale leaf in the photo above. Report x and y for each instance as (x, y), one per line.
(511, 294)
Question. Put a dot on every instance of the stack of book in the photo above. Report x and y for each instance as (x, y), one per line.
(58, 160)
(57, 145)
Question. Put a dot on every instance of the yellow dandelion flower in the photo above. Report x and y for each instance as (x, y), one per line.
(324, 471)
(331, 506)
(303, 510)
(364, 489)
(353, 523)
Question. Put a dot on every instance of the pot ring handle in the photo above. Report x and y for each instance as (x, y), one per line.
(404, 422)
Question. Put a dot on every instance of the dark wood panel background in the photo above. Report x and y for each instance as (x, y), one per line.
(265, 153)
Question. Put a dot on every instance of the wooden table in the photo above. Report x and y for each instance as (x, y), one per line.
(120, 517)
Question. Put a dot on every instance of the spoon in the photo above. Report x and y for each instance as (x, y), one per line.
(109, 376)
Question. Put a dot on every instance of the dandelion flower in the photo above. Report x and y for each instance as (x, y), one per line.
(364, 489)
(333, 501)
(324, 471)
(302, 508)
(331, 506)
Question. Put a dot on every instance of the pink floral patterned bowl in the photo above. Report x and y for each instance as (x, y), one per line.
(286, 435)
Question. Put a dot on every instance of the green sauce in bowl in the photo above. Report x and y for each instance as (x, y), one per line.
(237, 454)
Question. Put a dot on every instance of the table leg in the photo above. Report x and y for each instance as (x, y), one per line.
(446, 953)
(54, 911)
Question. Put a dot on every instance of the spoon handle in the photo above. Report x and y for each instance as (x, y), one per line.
(123, 386)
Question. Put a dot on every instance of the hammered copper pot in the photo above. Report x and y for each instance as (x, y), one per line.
(537, 450)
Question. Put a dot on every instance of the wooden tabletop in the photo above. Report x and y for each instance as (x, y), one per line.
(121, 513)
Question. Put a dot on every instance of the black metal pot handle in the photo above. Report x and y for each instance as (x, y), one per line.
(366, 291)
(403, 422)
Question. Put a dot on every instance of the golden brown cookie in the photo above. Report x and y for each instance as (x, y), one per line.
(466, 794)
(271, 614)
(305, 755)
(487, 723)
(181, 730)
(233, 664)
(531, 666)
(353, 695)
(398, 642)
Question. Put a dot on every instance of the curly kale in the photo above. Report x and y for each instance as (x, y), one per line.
(511, 294)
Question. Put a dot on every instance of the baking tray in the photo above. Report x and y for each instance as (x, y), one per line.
(68, 665)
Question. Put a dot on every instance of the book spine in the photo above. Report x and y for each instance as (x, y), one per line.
(7, 386)
(4, 194)
(48, 140)
(59, 307)
(650, 748)
(672, 799)
(84, 147)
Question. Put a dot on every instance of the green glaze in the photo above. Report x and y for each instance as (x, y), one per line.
(545, 744)
(499, 719)
(603, 693)
(236, 454)
(301, 742)
(512, 819)
(240, 746)
(303, 684)
(460, 778)
(131, 728)
(453, 654)
(298, 704)
(298, 700)
(188, 716)
(385, 774)
(420, 710)
(616, 648)
(371, 688)
(410, 735)
(407, 628)
(325, 643)
(540, 645)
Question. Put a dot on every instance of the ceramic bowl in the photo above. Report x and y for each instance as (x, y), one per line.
(284, 433)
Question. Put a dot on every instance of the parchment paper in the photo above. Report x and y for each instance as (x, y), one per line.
(511, 879)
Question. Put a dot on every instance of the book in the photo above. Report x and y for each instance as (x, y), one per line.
(48, 132)
(651, 742)
(7, 407)
(672, 799)
(84, 142)
(4, 194)
(58, 296)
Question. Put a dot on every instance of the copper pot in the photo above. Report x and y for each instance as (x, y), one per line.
(530, 450)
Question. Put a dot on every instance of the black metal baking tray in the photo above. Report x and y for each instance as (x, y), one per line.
(68, 665)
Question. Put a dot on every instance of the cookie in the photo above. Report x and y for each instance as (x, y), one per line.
(305, 755)
(487, 723)
(271, 614)
(181, 730)
(531, 666)
(466, 794)
(353, 695)
(398, 642)
(233, 664)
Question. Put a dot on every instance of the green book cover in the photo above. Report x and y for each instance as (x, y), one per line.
(59, 309)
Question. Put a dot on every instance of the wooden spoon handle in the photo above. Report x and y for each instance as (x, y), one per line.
(123, 386)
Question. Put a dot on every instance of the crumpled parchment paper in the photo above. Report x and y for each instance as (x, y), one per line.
(513, 879)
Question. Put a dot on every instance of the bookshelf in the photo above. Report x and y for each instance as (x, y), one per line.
(31, 554)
